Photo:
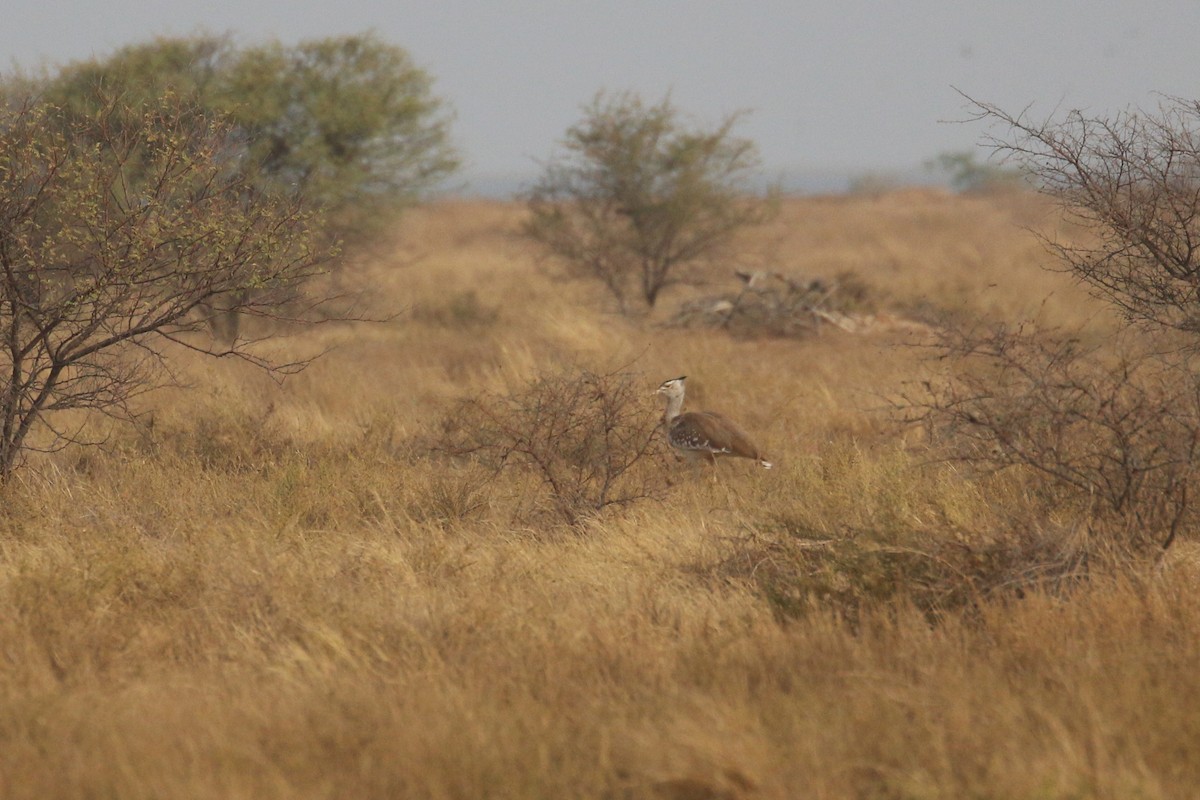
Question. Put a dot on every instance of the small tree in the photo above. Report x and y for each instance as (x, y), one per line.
(639, 196)
(116, 231)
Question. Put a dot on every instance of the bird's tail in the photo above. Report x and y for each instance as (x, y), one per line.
(765, 464)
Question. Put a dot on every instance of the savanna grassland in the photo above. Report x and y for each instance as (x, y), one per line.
(286, 591)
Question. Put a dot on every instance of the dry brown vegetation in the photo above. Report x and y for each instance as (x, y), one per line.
(283, 591)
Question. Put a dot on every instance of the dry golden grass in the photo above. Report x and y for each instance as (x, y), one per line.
(278, 592)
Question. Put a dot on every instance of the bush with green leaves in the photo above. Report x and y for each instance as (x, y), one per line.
(967, 174)
(640, 196)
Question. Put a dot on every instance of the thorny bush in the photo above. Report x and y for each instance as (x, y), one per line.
(589, 438)
(1116, 431)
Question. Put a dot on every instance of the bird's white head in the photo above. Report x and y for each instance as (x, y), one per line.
(672, 388)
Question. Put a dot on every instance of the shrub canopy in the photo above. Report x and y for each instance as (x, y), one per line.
(349, 122)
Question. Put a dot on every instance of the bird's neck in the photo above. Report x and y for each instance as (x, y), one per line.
(674, 406)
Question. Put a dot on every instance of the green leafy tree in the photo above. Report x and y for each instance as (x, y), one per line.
(349, 122)
(349, 119)
(640, 196)
(117, 232)
(139, 73)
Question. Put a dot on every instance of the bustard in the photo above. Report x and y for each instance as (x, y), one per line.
(703, 434)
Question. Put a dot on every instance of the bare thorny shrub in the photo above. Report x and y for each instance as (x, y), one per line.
(1112, 429)
(1132, 179)
(1096, 445)
(588, 438)
(1112, 432)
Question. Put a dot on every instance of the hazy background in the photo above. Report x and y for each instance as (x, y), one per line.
(836, 89)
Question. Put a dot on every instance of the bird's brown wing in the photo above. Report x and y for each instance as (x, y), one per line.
(723, 434)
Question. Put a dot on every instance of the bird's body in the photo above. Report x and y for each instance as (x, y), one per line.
(703, 434)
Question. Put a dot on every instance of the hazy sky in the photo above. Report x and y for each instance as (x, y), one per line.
(846, 85)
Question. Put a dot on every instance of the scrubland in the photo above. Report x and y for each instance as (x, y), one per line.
(284, 590)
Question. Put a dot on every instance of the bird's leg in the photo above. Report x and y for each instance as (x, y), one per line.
(718, 480)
